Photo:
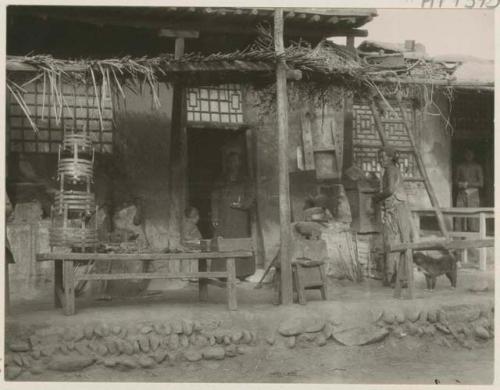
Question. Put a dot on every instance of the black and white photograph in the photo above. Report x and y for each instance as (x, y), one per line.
(203, 193)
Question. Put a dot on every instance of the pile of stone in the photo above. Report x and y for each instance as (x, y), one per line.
(464, 324)
(124, 348)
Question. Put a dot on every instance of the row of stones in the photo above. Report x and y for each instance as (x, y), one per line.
(123, 348)
(458, 325)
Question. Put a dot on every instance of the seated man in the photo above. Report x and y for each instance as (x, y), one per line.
(190, 232)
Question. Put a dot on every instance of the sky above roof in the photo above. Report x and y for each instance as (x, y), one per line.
(461, 31)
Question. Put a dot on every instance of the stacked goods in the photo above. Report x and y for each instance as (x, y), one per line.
(74, 203)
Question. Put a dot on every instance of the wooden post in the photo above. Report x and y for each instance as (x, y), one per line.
(178, 150)
(58, 283)
(350, 42)
(378, 122)
(348, 153)
(231, 284)
(482, 235)
(423, 171)
(284, 185)
(69, 287)
(202, 282)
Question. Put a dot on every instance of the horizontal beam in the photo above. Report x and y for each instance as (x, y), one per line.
(439, 83)
(458, 210)
(141, 256)
(168, 33)
(179, 67)
(442, 245)
(144, 275)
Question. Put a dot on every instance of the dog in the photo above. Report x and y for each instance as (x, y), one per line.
(433, 267)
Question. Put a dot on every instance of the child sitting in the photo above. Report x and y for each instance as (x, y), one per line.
(190, 233)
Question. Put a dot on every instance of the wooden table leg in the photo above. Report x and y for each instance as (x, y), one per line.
(202, 283)
(231, 284)
(397, 287)
(409, 270)
(58, 283)
(69, 287)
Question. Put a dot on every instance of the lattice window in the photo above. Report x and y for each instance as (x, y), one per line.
(80, 111)
(219, 104)
(366, 141)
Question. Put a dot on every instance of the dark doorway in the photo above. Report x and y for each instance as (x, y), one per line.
(206, 149)
(483, 149)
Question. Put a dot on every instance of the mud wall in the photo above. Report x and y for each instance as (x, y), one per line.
(435, 147)
(259, 107)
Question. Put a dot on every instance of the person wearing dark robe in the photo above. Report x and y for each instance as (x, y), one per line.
(397, 224)
(469, 180)
(231, 201)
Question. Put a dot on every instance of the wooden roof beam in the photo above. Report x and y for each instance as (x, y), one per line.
(168, 33)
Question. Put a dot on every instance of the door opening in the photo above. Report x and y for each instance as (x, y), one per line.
(206, 151)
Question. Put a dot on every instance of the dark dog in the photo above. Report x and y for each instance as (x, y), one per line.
(433, 267)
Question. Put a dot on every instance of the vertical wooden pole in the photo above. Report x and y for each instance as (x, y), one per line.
(348, 153)
(350, 42)
(231, 284)
(284, 185)
(482, 236)
(178, 150)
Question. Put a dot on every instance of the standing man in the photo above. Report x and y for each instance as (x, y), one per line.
(397, 227)
(468, 179)
(231, 201)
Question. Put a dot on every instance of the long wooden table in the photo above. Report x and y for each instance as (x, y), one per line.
(65, 277)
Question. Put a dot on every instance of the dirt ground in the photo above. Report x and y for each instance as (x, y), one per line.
(409, 360)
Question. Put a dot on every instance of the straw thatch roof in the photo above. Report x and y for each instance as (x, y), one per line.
(328, 61)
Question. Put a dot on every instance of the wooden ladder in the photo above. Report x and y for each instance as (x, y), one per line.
(428, 186)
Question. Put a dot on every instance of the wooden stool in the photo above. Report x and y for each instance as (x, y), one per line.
(299, 284)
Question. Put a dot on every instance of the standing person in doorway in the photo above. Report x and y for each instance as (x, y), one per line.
(469, 180)
(397, 225)
(231, 201)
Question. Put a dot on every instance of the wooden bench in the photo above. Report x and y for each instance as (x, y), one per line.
(65, 278)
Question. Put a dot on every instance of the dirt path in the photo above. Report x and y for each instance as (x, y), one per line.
(408, 361)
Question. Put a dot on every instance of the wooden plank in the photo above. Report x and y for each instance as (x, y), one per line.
(307, 142)
(283, 179)
(421, 167)
(145, 275)
(231, 284)
(443, 245)
(69, 288)
(452, 211)
(141, 256)
(170, 33)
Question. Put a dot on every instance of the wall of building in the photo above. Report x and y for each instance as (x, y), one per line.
(324, 109)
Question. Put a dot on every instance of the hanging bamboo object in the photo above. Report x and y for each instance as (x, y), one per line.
(74, 203)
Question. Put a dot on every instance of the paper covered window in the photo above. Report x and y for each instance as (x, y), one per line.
(79, 110)
(220, 104)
